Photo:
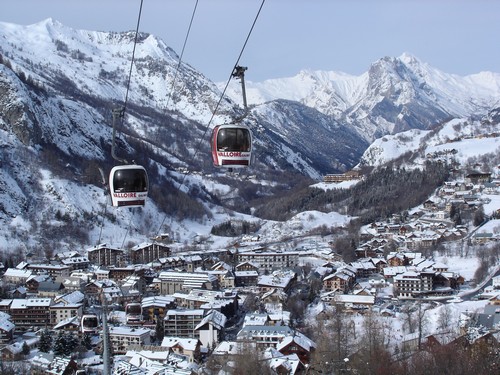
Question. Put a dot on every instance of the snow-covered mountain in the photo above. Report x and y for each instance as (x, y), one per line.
(471, 144)
(58, 87)
(394, 95)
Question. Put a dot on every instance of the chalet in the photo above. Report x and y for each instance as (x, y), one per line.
(477, 177)
(69, 325)
(211, 329)
(379, 264)
(397, 259)
(246, 274)
(76, 263)
(430, 205)
(63, 310)
(33, 283)
(67, 255)
(225, 277)
(71, 283)
(19, 292)
(274, 299)
(14, 351)
(352, 302)
(95, 289)
(364, 268)
(101, 274)
(169, 263)
(134, 282)
(281, 364)
(339, 281)
(6, 329)
(190, 347)
(246, 278)
(298, 345)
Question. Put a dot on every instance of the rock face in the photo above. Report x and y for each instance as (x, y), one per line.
(15, 109)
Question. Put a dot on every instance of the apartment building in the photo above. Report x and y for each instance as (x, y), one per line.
(172, 282)
(27, 313)
(148, 252)
(270, 260)
(103, 255)
(182, 323)
(122, 337)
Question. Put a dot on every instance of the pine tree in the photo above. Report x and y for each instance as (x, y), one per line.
(86, 342)
(159, 330)
(59, 344)
(72, 343)
(45, 343)
(26, 349)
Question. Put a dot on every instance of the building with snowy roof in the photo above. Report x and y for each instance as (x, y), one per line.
(182, 322)
(211, 328)
(16, 276)
(35, 312)
(172, 282)
(122, 337)
(6, 329)
(189, 347)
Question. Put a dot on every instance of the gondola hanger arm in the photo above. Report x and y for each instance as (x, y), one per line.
(118, 113)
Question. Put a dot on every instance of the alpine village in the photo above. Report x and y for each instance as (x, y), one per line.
(353, 230)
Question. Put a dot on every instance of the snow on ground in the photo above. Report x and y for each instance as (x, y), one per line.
(300, 224)
(492, 226)
(332, 186)
(492, 205)
(466, 266)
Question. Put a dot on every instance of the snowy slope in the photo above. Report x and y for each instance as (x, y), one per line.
(462, 140)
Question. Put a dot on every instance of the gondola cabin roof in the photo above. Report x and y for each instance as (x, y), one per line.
(231, 146)
(128, 185)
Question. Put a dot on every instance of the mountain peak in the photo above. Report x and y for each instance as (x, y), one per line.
(409, 59)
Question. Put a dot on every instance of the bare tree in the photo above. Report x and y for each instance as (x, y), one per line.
(372, 356)
(334, 342)
(249, 361)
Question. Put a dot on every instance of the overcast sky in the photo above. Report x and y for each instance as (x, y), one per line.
(456, 36)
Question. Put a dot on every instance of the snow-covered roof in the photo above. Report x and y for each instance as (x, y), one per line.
(17, 273)
(128, 331)
(6, 325)
(74, 321)
(186, 343)
(26, 303)
(217, 319)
